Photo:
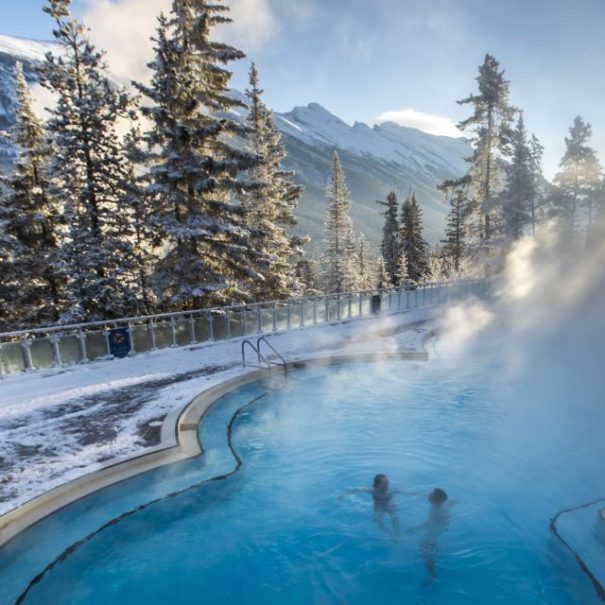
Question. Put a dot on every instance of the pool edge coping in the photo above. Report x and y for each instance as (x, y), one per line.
(185, 426)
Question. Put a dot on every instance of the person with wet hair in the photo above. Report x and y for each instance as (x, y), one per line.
(436, 523)
(384, 504)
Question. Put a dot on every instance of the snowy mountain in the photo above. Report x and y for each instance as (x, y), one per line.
(376, 159)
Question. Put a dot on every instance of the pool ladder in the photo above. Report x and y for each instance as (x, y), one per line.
(261, 359)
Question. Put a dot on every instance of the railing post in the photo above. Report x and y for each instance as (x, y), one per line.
(350, 305)
(210, 326)
(314, 311)
(54, 341)
(327, 301)
(82, 347)
(154, 341)
(106, 334)
(259, 320)
(173, 333)
(302, 313)
(289, 312)
(27, 355)
(192, 328)
(338, 307)
(274, 311)
(228, 326)
(360, 304)
(245, 319)
(131, 340)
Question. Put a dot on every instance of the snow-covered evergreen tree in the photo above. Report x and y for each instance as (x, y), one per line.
(518, 194)
(536, 151)
(10, 250)
(578, 179)
(195, 164)
(383, 281)
(138, 205)
(364, 271)
(412, 244)
(30, 217)
(402, 275)
(391, 246)
(491, 134)
(307, 271)
(454, 244)
(90, 173)
(270, 205)
(339, 266)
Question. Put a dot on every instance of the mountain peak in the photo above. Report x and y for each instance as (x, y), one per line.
(23, 48)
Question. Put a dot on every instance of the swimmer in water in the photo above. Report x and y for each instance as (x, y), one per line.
(384, 503)
(436, 523)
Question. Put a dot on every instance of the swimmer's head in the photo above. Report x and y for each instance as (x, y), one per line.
(437, 497)
(381, 481)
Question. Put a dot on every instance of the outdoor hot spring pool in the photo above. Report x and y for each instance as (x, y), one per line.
(276, 532)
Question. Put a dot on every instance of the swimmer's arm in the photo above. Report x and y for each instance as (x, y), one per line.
(356, 490)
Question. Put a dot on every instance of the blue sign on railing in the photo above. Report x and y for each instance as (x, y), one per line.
(119, 342)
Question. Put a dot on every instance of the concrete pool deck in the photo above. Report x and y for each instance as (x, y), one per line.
(401, 336)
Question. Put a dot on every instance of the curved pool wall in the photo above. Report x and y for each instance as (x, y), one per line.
(494, 530)
(38, 533)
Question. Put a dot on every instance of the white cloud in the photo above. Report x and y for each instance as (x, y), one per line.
(254, 24)
(433, 124)
(123, 29)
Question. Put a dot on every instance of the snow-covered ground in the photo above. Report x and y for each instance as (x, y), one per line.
(58, 425)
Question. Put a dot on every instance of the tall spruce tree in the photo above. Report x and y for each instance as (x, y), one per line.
(536, 151)
(195, 164)
(413, 247)
(10, 250)
(391, 245)
(491, 134)
(339, 266)
(578, 179)
(30, 218)
(454, 244)
(383, 280)
(270, 205)
(90, 173)
(518, 194)
(364, 271)
(139, 208)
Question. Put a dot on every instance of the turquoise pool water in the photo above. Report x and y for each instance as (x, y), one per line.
(276, 532)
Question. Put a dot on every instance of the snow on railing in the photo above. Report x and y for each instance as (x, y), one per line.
(59, 346)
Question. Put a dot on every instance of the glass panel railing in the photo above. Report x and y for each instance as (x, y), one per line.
(182, 331)
(42, 353)
(96, 345)
(283, 316)
(163, 334)
(267, 319)
(201, 326)
(142, 338)
(70, 349)
(11, 357)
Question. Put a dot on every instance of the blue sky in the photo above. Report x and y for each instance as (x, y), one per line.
(362, 58)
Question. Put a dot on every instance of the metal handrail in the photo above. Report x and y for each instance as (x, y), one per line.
(259, 356)
(283, 363)
(60, 346)
(106, 323)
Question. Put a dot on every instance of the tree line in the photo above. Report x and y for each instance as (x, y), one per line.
(503, 197)
(191, 208)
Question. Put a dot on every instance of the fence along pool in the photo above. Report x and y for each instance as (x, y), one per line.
(43, 348)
